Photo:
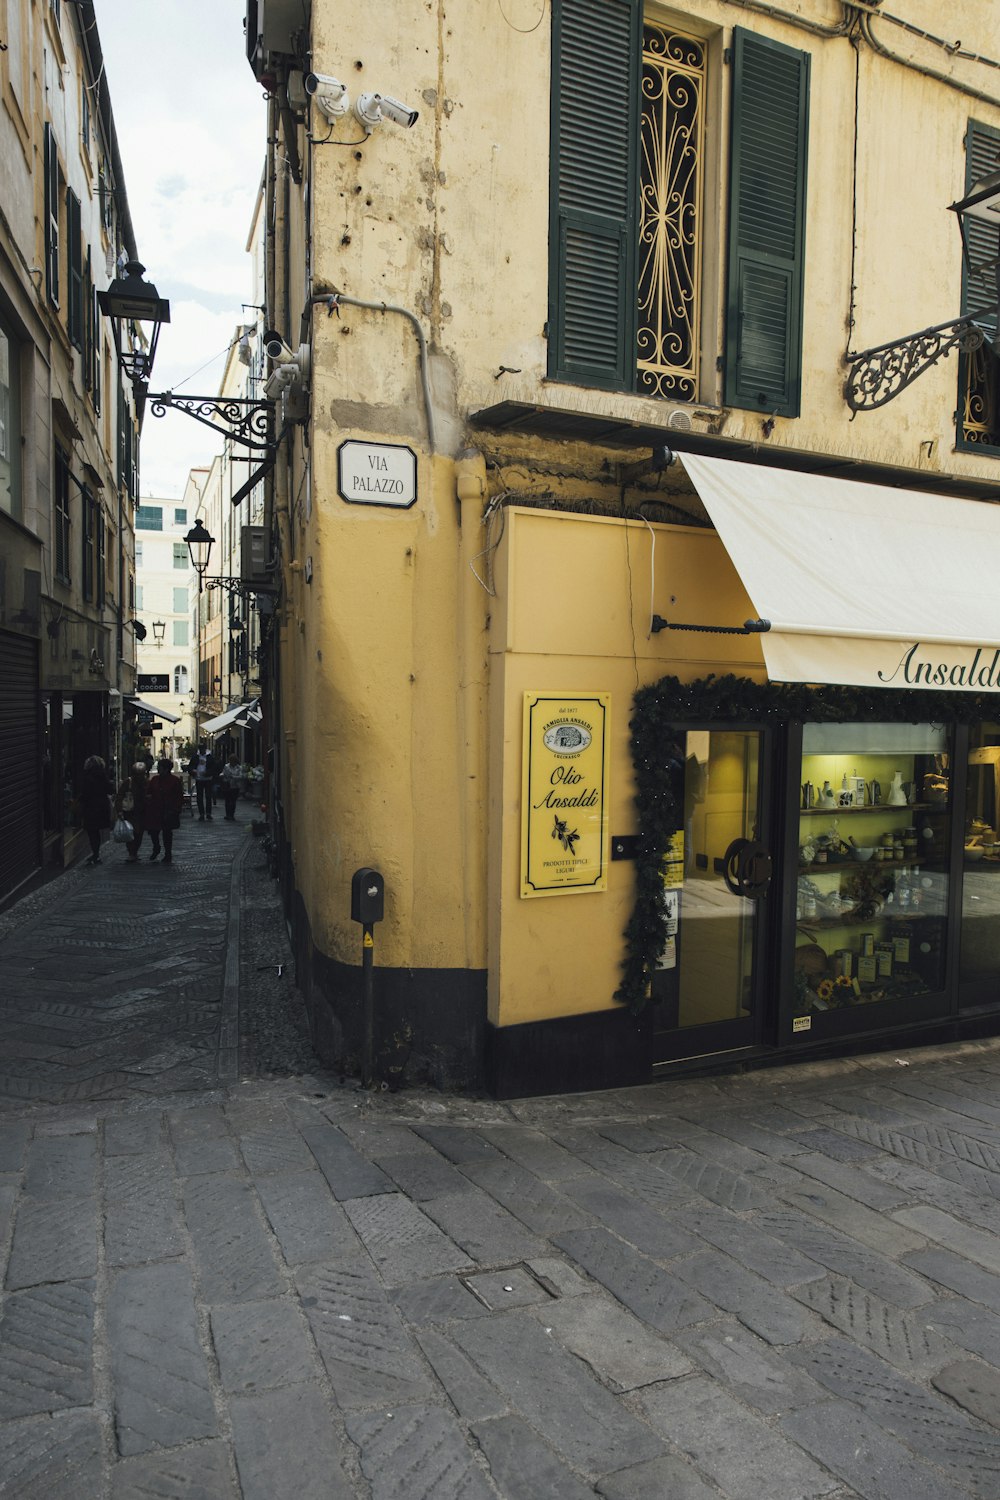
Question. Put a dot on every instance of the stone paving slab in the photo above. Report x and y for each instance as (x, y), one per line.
(286, 1445)
(732, 1446)
(549, 1389)
(162, 1394)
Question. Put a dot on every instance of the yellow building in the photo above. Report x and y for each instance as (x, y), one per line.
(68, 434)
(566, 301)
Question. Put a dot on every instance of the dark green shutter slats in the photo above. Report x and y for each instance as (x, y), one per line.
(51, 169)
(763, 354)
(74, 263)
(595, 68)
(982, 156)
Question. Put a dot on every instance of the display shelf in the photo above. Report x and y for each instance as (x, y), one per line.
(874, 807)
(866, 922)
(831, 866)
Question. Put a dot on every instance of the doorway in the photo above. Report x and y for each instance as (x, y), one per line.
(707, 988)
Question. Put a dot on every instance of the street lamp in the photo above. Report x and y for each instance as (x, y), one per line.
(199, 544)
(878, 375)
(159, 629)
(129, 300)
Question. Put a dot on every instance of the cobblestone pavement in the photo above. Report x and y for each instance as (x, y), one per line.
(785, 1284)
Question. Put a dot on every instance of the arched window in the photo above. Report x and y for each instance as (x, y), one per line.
(180, 679)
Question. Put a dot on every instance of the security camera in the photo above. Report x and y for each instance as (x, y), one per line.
(274, 345)
(330, 94)
(371, 109)
(397, 112)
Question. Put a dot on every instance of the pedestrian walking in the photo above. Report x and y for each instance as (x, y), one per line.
(232, 785)
(204, 767)
(130, 803)
(164, 797)
(96, 792)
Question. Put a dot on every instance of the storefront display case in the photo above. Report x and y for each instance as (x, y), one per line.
(874, 853)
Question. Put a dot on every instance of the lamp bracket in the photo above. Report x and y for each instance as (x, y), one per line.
(242, 587)
(240, 419)
(878, 375)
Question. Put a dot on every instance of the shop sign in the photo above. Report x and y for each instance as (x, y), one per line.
(974, 668)
(153, 682)
(564, 794)
(377, 474)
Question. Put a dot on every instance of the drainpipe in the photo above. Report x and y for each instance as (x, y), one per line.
(473, 687)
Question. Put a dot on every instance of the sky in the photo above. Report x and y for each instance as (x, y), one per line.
(191, 122)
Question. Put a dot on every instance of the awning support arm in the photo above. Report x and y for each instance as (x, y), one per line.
(749, 627)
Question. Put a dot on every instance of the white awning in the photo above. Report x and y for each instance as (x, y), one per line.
(251, 714)
(239, 716)
(862, 584)
(223, 720)
(151, 708)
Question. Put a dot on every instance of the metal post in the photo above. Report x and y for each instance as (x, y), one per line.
(368, 991)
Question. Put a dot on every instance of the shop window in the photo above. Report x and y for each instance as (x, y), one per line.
(10, 425)
(180, 679)
(874, 866)
(148, 518)
(74, 271)
(979, 371)
(627, 301)
(62, 515)
(182, 558)
(980, 946)
(52, 200)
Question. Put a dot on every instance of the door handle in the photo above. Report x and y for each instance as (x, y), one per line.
(746, 868)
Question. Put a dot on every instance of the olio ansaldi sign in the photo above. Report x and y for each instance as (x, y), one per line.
(564, 794)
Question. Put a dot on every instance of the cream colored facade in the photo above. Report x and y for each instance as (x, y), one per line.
(408, 637)
(68, 475)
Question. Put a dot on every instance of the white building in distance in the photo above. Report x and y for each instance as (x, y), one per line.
(166, 594)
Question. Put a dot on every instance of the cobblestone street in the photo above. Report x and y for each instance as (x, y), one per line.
(227, 1274)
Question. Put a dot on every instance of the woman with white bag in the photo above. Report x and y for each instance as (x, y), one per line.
(130, 811)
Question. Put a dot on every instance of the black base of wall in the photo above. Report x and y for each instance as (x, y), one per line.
(429, 1023)
(606, 1050)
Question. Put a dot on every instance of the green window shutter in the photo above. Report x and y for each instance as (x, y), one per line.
(982, 156)
(596, 58)
(51, 167)
(74, 276)
(767, 207)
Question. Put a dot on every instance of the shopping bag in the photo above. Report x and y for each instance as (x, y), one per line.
(123, 832)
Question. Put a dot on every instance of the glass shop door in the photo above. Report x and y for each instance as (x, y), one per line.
(706, 991)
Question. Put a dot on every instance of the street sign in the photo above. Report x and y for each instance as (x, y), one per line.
(377, 474)
(153, 682)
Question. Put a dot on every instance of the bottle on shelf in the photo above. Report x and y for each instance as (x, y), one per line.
(904, 890)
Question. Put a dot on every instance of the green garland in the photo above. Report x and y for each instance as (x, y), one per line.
(668, 704)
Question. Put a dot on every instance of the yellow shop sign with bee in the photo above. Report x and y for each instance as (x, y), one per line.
(564, 794)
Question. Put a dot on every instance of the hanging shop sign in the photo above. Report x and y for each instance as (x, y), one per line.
(377, 474)
(153, 682)
(564, 794)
